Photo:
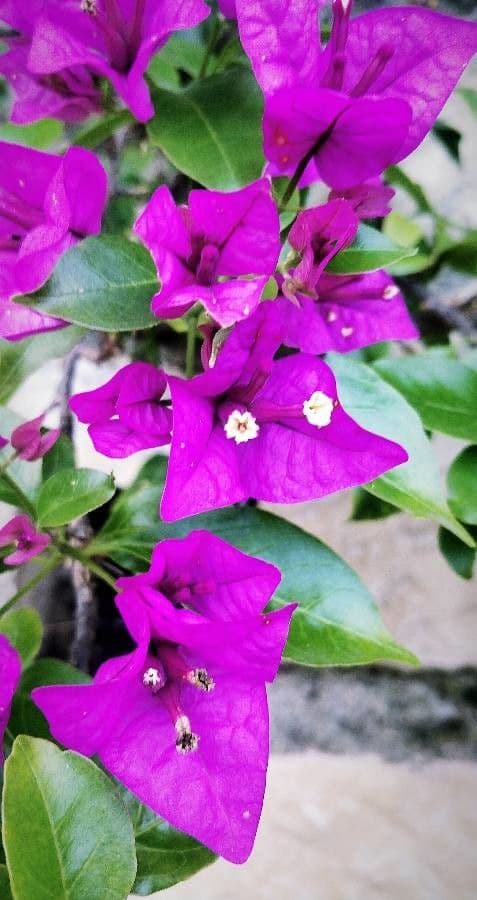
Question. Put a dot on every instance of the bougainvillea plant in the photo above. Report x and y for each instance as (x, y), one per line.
(199, 198)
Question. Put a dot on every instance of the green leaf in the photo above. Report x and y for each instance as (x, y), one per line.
(442, 390)
(20, 359)
(97, 132)
(460, 557)
(402, 231)
(163, 74)
(66, 832)
(24, 630)
(184, 51)
(462, 486)
(398, 178)
(5, 892)
(462, 255)
(449, 137)
(25, 716)
(414, 486)
(221, 117)
(105, 283)
(61, 456)
(366, 506)
(337, 621)
(41, 135)
(164, 856)
(72, 493)
(369, 251)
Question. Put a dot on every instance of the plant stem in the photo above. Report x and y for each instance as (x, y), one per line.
(45, 570)
(293, 183)
(215, 31)
(190, 347)
(23, 501)
(87, 562)
(7, 462)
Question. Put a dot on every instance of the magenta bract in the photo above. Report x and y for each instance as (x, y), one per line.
(115, 39)
(126, 414)
(26, 541)
(10, 671)
(47, 204)
(30, 442)
(366, 100)
(337, 312)
(70, 95)
(202, 250)
(182, 721)
(252, 426)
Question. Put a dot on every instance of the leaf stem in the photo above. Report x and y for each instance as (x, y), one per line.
(23, 501)
(214, 34)
(8, 461)
(50, 564)
(87, 562)
(293, 183)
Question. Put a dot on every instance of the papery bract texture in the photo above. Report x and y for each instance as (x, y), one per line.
(31, 442)
(47, 204)
(25, 540)
(70, 95)
(115, 39)
(202, 250)
(182, 721)
(365, 101)
(274, 430)
(10, 671)
(126, 414)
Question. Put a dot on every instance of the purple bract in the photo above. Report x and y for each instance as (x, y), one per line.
(10, 671)
(366, 100)
(182, 721)
(26, 541)
(202, 250)
(126, 414)
(115, 39)
(337, 312)
(252, 426)
(47, 204)
(30, 442)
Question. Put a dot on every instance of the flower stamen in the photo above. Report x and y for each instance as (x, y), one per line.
(241, 426)
(201, 679)
(186, 741)
(318, 409)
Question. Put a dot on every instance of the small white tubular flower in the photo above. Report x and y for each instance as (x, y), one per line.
(241, 426)
(390, 291)
(318, 409)
(152, 679)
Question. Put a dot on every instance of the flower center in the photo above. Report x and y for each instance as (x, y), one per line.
(318, 409)
(122, 39)
(241, 426)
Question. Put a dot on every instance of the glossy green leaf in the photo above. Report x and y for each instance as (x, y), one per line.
(185, 51)
(105, 283)
(97, 132)
(20, 359)
(462, 485)
(442, 390)
(221, 119)
(460, 557)
(163, 74)
(61, 456)
(367, 507)
(24, 630)
(369, 251)
(72, 493)
(66, 832)
(165, 856)
(414, 486)
(41, 135)
(337, 621)
(5, 892)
